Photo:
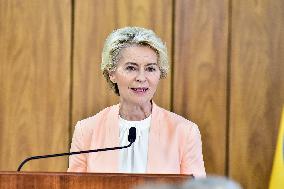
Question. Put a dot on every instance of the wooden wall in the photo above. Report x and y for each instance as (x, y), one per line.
(200, 73)
(256, 88)
(226, 75)
(34, 82)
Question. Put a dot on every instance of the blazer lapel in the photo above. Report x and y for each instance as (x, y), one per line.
(112, 134)
(153, 143)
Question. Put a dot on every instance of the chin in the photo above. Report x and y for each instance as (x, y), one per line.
(141, 101)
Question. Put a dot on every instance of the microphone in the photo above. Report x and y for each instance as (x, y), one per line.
(131, 139)
(132, 134)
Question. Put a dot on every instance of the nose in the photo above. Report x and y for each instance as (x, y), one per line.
(141, 76)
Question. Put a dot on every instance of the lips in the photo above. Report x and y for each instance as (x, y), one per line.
(139, 89)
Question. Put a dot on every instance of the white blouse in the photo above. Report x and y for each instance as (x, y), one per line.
(134, 158)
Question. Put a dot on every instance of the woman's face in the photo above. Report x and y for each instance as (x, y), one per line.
(137, 74)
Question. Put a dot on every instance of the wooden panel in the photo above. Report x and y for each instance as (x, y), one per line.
(257, 89)
(14, 180)
(200, 71)
(34, 82)
(94, 20)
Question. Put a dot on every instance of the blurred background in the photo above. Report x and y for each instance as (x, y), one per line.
(227, 75)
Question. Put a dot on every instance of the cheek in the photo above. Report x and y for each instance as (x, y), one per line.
(155, 81)
(122, 83)
(123, 79)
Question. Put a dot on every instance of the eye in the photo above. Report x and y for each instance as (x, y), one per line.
(151, 69)
(130, 68)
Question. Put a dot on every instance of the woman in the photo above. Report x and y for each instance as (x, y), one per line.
(133, 62)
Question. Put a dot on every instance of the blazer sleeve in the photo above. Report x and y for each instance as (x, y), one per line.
(192, 159)
(78, 162)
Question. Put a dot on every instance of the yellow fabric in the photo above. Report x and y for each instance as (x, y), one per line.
(277, 176)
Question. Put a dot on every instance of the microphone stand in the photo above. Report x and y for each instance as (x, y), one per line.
(71, 153)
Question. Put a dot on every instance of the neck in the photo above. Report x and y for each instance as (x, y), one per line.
(134, 112)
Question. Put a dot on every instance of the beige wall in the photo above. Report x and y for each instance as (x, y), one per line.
(227, 75)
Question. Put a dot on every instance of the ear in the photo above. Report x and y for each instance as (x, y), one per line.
(112, 77)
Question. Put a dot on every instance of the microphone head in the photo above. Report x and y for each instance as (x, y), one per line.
(132, 134)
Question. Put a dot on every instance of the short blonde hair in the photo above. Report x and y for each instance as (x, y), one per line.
(127, 37)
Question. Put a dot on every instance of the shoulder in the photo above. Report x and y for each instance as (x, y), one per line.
(85, 128)
(90, 123)
(178, 122)
(175, 118)
(98, 116)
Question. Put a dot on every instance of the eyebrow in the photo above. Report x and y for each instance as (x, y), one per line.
(135, 64)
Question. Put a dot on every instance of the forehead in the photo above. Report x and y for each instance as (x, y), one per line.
(138, 54)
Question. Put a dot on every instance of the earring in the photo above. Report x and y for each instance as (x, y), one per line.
(112, 79)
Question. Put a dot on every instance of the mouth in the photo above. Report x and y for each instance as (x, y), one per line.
(139, 90)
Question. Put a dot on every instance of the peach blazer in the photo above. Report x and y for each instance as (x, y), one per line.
(174, 144)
